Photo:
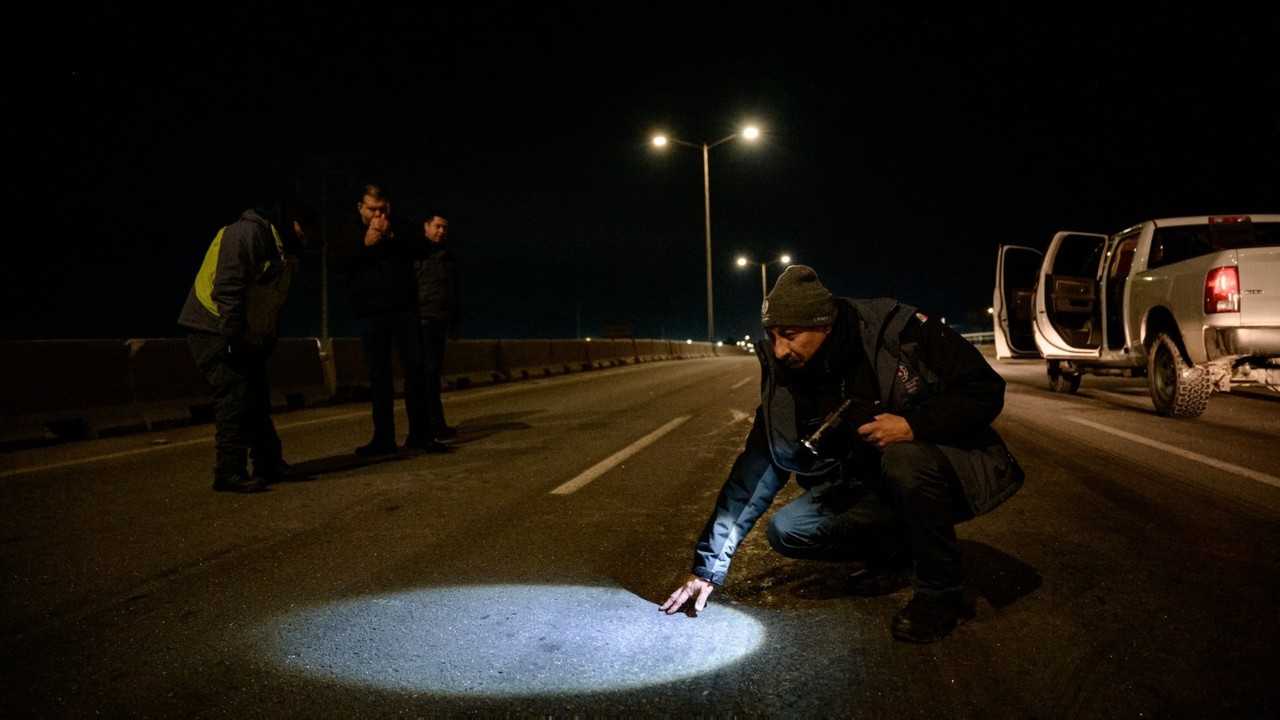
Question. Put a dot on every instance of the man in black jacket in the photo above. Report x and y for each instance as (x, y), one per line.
(884, 415)
(438, 311)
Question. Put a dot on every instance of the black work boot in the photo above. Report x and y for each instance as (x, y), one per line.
(926, 618)
(239, 483)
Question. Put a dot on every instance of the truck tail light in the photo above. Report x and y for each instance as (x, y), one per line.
(1221, 291)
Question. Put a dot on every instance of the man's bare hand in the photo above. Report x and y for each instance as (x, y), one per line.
(888, 429)
(695, 587)
(377, 230)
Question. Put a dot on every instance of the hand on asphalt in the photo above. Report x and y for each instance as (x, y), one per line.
(694, 587)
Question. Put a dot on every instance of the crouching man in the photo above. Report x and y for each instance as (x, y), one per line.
(886, 482)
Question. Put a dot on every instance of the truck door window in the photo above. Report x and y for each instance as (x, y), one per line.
(1072, 290)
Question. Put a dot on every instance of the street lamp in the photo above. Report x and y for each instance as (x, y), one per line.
(748, 133)
(764, 282)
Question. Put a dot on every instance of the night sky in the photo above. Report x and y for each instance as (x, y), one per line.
(901, 147)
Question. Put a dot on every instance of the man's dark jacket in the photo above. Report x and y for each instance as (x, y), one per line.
(380, 279)
(878, 351)
(244, 279)
(438, 285)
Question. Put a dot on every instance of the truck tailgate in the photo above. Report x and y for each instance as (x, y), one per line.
(1259, 286)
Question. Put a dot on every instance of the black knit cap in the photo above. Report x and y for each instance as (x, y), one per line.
(798, 299)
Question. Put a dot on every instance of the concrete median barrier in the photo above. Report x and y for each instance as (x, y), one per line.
(64, 389)
(168, 388)
(570, 355)
(297, 374)
(686, 350)
(349, 377)
(603, 353)
(523, 359)
(471, 362)
(53, 390)
(653, 350)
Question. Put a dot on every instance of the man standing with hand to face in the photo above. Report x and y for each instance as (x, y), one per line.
(376, 254)
(884, 487)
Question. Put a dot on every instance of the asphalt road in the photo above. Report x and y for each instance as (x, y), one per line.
(1133, 576)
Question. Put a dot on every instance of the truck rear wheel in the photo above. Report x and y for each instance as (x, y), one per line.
(1062, 380)
(1178, 389)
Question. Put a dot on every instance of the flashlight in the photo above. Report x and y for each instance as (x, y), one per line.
(848, 410)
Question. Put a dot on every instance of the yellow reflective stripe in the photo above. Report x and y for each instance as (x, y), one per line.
(208, 274)
(279, 247)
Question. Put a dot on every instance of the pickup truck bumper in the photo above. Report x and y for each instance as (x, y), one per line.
(1255, 341)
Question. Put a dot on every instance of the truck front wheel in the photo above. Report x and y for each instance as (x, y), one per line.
(1178, 389)
(1062, 380)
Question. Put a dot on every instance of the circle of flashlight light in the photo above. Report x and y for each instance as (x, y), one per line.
(508, 640)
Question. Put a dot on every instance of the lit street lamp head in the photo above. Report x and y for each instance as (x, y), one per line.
(749, 132)
(744, 261)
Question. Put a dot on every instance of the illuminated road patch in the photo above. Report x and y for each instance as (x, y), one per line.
(508, 640)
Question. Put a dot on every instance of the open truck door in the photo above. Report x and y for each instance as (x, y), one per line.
(1068, 313)
(1012, 304)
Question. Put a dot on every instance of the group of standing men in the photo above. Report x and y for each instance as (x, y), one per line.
(404, 296)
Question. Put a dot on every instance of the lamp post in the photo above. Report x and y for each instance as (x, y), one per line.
(748, 133)
(764, 282)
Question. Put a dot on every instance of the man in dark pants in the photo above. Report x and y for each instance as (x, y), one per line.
(884, 416)
(231, 314)
(377, 255)
(438, 311)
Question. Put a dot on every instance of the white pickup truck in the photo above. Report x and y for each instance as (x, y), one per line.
(1192, 303)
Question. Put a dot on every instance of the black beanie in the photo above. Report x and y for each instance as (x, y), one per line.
(798, 300)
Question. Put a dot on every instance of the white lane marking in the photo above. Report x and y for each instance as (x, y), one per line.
(1228, 467)
(96, 458)
(613, 460)
(742, 382)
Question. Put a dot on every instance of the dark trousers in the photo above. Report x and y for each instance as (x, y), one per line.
(381, 336)
(909, 511)
(434, 335)
(241, 402)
